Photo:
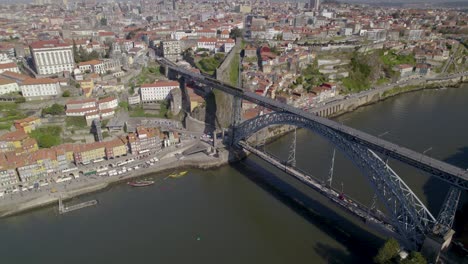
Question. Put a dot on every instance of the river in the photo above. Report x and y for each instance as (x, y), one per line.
(244, 213)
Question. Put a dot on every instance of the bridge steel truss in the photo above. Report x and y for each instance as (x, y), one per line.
(453, 175)
(409, 215)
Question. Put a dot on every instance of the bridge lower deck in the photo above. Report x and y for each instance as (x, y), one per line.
(375, 219)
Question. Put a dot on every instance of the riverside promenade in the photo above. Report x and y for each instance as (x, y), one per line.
(22, 201)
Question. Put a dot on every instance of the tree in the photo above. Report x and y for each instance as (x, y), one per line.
(387, 252)
(54, 109)
(76, 56)
(66, 94)
(149, 18)
(103, 21)
(235, 33)
(130, 35)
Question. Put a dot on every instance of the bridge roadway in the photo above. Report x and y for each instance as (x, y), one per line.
(456, 176)
(374, 218)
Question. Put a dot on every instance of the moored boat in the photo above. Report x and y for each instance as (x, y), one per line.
(177, 175)
(140, 183)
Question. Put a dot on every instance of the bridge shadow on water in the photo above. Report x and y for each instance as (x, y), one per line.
(362, 243)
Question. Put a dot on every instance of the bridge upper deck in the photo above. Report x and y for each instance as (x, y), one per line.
(447, 172)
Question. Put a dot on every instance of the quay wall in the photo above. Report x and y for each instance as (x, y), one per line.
(373, 96)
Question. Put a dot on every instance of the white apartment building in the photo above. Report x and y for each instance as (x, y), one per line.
(207, 43)
(108, 103)
(40, 88)
(99, 66)
(8, 86)
(82, 104)
(11, 66)
(52, 57)
(157, 91)
(216, 45)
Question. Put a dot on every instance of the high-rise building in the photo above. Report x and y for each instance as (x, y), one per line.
(314, 4)
(52, 56)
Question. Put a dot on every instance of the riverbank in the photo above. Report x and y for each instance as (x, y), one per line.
(41, 199)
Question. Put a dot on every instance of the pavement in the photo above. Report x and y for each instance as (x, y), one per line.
(45, 194)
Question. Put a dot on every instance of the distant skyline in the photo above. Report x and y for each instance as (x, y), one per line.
(375, 2)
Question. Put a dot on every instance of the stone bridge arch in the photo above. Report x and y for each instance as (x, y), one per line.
(409, 215)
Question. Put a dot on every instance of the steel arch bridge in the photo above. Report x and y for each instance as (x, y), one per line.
(410, 217)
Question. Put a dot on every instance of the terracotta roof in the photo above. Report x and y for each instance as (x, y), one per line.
(91, 62)
(104, 111)
(14, 75)
(4, 81)
(83, 101)
(107, 99)
(14, 136)
(48, 44)
(32, 81)
(207, 40)
(8, 65)
(92, 109)
(159, 84)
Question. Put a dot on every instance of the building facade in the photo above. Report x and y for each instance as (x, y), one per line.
(157, 91)
(8, 86)
(38, 89)
(52, 57)
(170, 49)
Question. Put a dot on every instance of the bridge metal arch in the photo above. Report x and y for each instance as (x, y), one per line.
(409, 215)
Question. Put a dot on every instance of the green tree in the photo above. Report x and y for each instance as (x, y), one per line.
(75, 52)
(235, 33)
(82, 54)
(149, 19)
(103, 21)
(66, 94)
(130, 35)
(387, 252)
(93, 55)
(54, 109)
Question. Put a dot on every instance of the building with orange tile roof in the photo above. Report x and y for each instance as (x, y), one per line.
(8, 174)
(39, 89)
(8, 86)
(157, 91)
(27, 124)
(11, 66)
(52, 57)
(18, 142)
(144, 139)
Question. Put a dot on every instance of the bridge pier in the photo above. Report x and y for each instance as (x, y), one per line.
(236, 117)
(434, 244)
(166, 71)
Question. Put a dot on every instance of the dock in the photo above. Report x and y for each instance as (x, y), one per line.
(65, 209)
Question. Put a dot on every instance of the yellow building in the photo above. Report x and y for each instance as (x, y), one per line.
(17, 141)
(28, 124)
(87, 86)
(115, 148)
(89, 152)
